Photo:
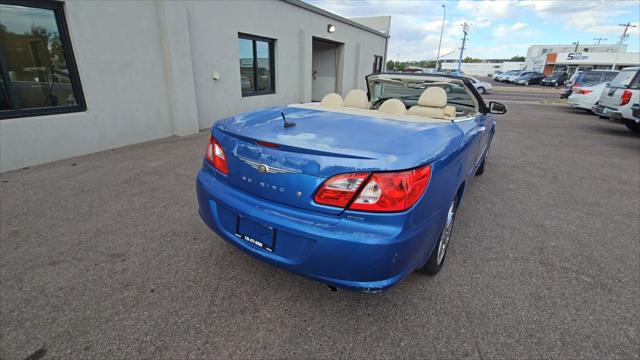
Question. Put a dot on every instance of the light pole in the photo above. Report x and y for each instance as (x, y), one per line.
(444, 12)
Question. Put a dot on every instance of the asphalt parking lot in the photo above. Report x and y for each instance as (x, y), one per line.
(104, 256)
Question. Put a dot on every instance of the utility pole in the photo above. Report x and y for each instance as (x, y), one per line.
(599, 39)
(577, 44)
(444, 12)
(624, 36)
(465, 30)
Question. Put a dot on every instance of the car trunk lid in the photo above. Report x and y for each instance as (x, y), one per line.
(287, 165)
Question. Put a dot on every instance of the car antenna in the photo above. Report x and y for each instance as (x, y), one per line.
(287, 124)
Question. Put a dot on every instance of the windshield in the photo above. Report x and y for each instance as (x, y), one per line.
(589, 78)
(623, 79)
(408, 90)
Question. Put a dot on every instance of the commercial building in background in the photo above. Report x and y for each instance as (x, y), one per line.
(572, 58)
(79, 77)
(482, 69)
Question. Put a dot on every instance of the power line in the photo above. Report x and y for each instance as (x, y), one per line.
(599, 39)
(465, 30)
(624, 36)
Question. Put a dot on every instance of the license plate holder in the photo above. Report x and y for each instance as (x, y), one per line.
(256, 234)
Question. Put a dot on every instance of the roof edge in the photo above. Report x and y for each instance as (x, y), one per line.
(317, 10)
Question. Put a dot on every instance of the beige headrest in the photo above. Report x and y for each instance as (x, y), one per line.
(332, 100)
(356, 98)
(433, 97)
(393, 106)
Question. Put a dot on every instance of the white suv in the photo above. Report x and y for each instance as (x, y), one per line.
(619, 101)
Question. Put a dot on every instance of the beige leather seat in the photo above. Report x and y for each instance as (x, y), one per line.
(433, 103)
(332, 100)
(356, 99)
(393, 106)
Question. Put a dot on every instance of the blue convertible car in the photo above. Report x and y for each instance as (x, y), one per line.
(357, 192)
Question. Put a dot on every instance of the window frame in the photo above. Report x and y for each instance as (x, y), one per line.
(272, 68)
(76, 86)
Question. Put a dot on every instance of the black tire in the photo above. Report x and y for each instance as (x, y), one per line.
(555, 84)
(432, 266)
(632, 125)
(481, 90)
(480, 170)
(526, 83)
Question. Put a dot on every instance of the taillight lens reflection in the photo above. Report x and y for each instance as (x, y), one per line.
(340, 189)
(380, 192)
(215, 156)
(394, 191)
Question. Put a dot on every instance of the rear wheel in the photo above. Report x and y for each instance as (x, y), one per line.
(526, 83)
(632, 125)
(482, 90)
(436, 260)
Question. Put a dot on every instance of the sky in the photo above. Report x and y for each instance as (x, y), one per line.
(499, 29)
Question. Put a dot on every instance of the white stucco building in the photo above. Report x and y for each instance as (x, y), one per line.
(543, 57)
(78, 77)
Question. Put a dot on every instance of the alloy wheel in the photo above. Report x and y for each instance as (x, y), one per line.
(446, 233)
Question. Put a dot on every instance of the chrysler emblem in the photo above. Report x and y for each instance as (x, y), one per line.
(263, 168)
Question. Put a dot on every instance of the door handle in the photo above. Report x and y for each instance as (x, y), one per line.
(482, 129)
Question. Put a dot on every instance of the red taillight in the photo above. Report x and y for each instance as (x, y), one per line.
(267, 144)
(583, 91)
(395, 191)
(626, 97)
(383, 192)
(215, 156)
(340, 189)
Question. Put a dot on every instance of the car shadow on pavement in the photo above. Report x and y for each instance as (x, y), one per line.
(620, 131)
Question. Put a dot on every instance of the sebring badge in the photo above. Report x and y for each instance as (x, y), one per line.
(263, 168)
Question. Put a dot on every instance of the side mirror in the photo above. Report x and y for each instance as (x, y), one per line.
(497, 108)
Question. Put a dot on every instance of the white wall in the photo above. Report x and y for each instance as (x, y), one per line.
(123, 81)
(146, 71)
(214, 28)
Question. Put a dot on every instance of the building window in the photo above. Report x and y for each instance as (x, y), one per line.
(377, 64)
(257, 70)
(38, 74)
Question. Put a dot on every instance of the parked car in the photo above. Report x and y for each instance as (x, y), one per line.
(481, 86)
(502, 77)
(585, 97)
(493, 74)
(528, 78)
(587, 78)
(511, 78)
(619, 100)
(314, 189)
(555, 79)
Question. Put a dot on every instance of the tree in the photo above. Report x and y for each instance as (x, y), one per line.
(471, 60)
(391, 65)
(517, 58)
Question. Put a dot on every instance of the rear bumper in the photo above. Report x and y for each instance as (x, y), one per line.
(338, 250)
(577, 104)
(611, 114)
